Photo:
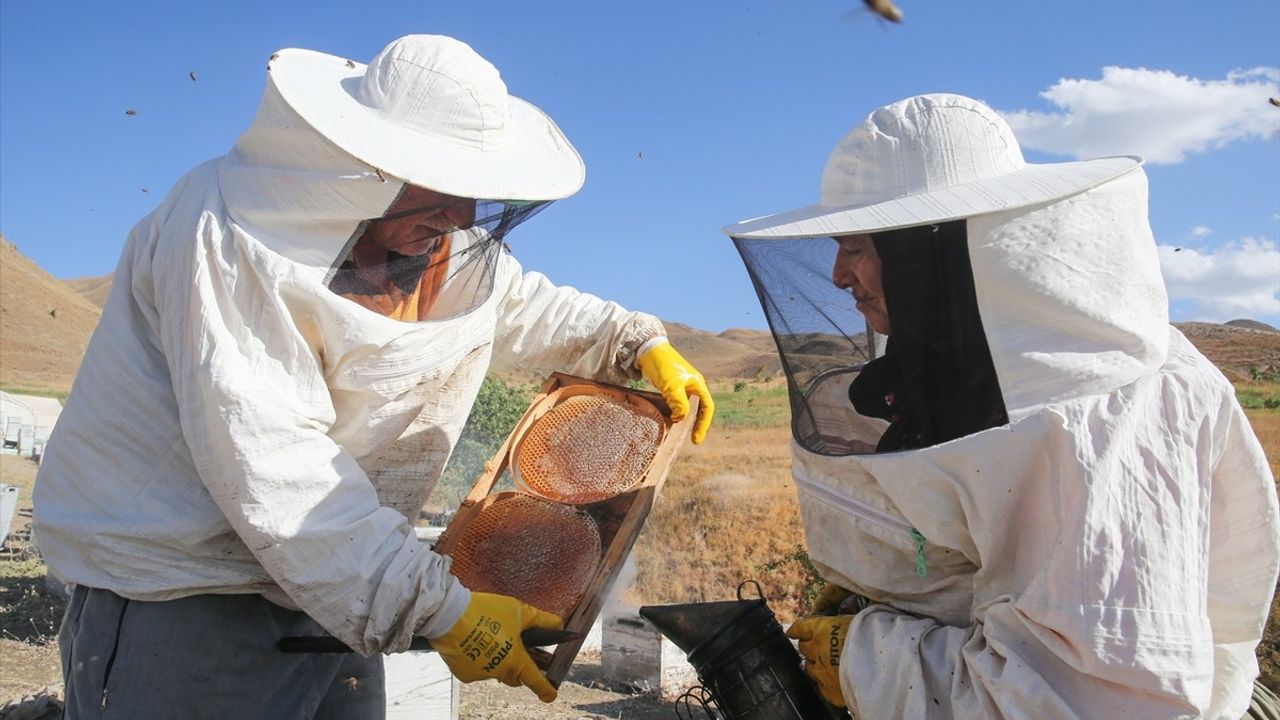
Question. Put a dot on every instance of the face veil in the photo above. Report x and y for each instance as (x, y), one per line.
(429, 257)
(854, 391)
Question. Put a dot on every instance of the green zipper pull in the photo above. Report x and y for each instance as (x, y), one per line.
(922, 568)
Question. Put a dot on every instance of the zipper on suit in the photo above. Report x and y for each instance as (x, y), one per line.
(873, 515)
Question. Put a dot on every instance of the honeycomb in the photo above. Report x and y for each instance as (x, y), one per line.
(541, 552)
(587, 448)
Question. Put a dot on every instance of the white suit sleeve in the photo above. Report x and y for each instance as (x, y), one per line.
(544, 328)
(254, 409)
(1142, 583)
(1244, 555)
(898, 666)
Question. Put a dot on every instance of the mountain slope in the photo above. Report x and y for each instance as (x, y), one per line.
(44, 325)
(93, 289)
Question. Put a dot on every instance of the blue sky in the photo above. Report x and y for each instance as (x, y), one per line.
(690, 116)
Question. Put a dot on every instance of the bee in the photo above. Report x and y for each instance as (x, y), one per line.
(1274, 101)
(885, 9)
(351, 65)
(192, 75)
(130, 112)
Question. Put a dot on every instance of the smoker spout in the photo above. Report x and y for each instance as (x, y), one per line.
(690, 625)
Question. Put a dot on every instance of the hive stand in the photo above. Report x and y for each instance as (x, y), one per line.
(619, 518)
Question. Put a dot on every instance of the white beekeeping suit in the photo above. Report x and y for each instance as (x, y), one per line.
(1062, 512)
(239, 427)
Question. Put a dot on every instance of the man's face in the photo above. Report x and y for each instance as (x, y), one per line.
(857, 269)
(418, 220)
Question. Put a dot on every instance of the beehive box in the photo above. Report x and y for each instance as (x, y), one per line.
(569, 525)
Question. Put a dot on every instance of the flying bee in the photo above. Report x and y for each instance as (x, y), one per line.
(351, 64)
(885, 9)
(192, 75)
(130, 112)
(1274, 101)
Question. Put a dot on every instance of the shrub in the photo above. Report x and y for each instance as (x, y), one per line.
(1267, 374)
(1258, 397)
(497, 409)
(798, 556)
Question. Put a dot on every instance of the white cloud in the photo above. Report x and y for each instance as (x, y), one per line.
(1154, 113)
(1239, 280)
(1200, 231)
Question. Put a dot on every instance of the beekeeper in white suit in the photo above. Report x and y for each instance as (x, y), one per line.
(292, 344)
(1041, 500)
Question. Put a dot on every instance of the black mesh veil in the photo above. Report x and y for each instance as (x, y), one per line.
(428, 262)
(822, 340)
(852, 390)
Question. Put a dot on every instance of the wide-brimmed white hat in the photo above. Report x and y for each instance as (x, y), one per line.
(430, 111)
(929, 159)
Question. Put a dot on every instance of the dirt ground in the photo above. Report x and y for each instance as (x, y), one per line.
(29, 613)
(583, 695)
(29, 664)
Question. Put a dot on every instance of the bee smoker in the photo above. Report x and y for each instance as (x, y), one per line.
(748, 668)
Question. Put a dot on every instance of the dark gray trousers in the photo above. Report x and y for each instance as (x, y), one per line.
(208, 656)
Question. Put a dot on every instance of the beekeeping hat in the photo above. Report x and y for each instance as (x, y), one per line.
(928, 159)
(430, 111)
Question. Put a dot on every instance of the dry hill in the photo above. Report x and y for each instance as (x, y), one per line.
(1241, 351)
(42, 350)
(93, 289)
(733, 354)
(44, 325)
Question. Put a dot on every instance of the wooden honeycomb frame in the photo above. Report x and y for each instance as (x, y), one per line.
(619, 518)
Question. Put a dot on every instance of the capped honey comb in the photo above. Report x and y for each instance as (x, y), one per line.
(588, 448)
(541, 552)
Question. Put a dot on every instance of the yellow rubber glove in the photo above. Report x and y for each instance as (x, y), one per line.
(676, 379)
(485, 643)
(829, 599)
(821, 642)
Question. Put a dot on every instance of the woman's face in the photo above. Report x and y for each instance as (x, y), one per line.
(857, 269)
(418, 220)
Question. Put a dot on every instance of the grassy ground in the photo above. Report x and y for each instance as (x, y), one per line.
(1258, 395)
(751, 406)
(728, 511)
(1266, 423)
(29, 612)
(59, 394)
(727, 514)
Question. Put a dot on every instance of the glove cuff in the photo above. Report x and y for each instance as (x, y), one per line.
(455, 602)
(648, 345)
